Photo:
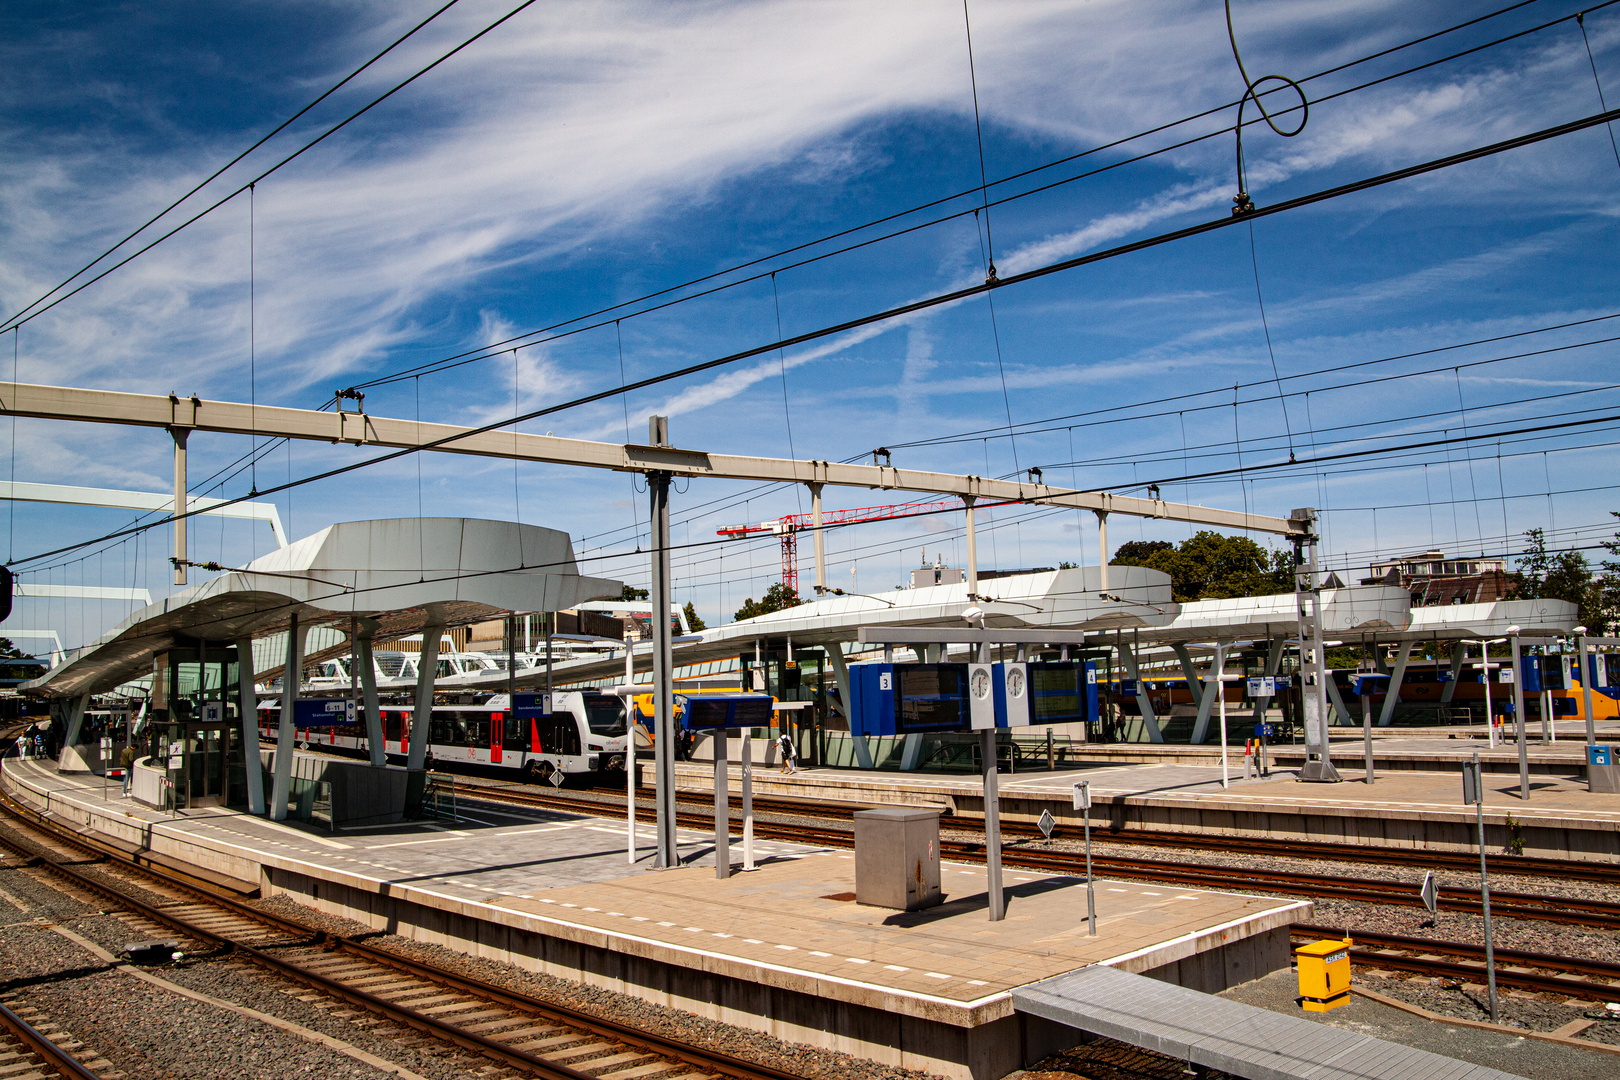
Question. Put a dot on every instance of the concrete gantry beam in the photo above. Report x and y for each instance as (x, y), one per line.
(360, 429)
(73, 495)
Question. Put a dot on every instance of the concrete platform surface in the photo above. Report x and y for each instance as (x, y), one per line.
(770, 950)
(550, 872)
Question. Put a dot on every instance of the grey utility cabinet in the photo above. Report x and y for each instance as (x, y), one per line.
(897, 858)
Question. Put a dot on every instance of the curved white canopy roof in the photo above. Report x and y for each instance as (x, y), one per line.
(399, 574)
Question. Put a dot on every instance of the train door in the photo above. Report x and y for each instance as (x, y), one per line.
(496, 735)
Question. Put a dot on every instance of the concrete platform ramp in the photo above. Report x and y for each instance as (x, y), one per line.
(1238, 1039)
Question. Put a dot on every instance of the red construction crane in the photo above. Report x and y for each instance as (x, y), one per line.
(788, 527)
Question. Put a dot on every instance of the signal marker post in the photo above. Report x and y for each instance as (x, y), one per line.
(1474, 792)
(1082, 803)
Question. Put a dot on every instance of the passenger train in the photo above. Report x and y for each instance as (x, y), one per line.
(1424, 683)
(585, 733)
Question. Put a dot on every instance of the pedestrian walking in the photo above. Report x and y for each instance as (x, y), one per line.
(789, 753)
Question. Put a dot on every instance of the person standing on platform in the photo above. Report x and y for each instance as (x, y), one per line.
(789, 752)
(127, 760)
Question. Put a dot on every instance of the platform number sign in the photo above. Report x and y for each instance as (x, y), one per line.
(1047, 823)
(1471, 783)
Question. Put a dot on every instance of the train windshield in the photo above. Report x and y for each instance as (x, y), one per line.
(605, 714)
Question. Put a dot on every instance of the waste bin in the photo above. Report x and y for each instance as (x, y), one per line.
(897, 858)
(1324, 974)
(1602, 773)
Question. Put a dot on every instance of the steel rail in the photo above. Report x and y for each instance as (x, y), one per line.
(635, 1038)
(52, 1055)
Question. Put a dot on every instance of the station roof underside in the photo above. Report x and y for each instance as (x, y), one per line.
(390, 576)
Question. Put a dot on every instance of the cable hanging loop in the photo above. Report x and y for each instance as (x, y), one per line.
(1252, 91)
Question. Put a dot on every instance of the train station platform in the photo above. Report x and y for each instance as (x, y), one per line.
(1420, 809)
(784, 949)
(1233, 1037)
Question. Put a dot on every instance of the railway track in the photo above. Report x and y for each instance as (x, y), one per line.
(1574, 911)
(27, 1054)
(1462, 861)
(1466, 963)
(526, 1035)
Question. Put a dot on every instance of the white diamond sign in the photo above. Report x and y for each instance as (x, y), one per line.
(1047, 823)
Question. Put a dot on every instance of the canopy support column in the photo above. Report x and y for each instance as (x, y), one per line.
(247, 706)
(1459, 651)
(376, 741)
(291, 676)
(1150, 722)
(1394, 694)
(835, 656)
(427, 672)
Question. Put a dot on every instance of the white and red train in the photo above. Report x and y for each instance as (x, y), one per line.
(585, 731)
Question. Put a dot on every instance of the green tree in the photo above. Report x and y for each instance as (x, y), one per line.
(777, 597)
(692, 619)
(630, 595)
(8, 650)
(1212, 566)
(1565, 575)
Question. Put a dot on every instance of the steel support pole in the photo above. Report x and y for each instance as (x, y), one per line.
(972, 551)
(1586, 690)
(181, 522)
(1518, 718)
(1318, 766)
(820, 540)
(1485, 888)
(1490, 716)
(663, 699)
(1102, 550)
(247, 704)
(284, 731)
(748, 797)
(722, 804)
(630, 745)
(992, 827)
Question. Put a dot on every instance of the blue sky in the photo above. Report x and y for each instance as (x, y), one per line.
(584, 154)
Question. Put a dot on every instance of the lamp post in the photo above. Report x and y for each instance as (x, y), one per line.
(1518, 715)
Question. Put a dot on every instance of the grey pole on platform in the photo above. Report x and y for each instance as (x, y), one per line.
(992, 811)
(1518, 714)
(663, 699)
(722, 805)
(181, 522)
(247, 704)
(284, 731)
(1308, 594)
(1586, 684)
(1474, 791)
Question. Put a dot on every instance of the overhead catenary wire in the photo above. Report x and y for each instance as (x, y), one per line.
(938, 300)
(42, 308)
(476, 355)
(1580, 21)
(217, 173)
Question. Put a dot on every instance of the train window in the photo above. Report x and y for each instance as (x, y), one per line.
(516, 734)
(605, 715)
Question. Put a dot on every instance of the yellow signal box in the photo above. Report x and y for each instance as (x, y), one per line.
(1324, 974)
